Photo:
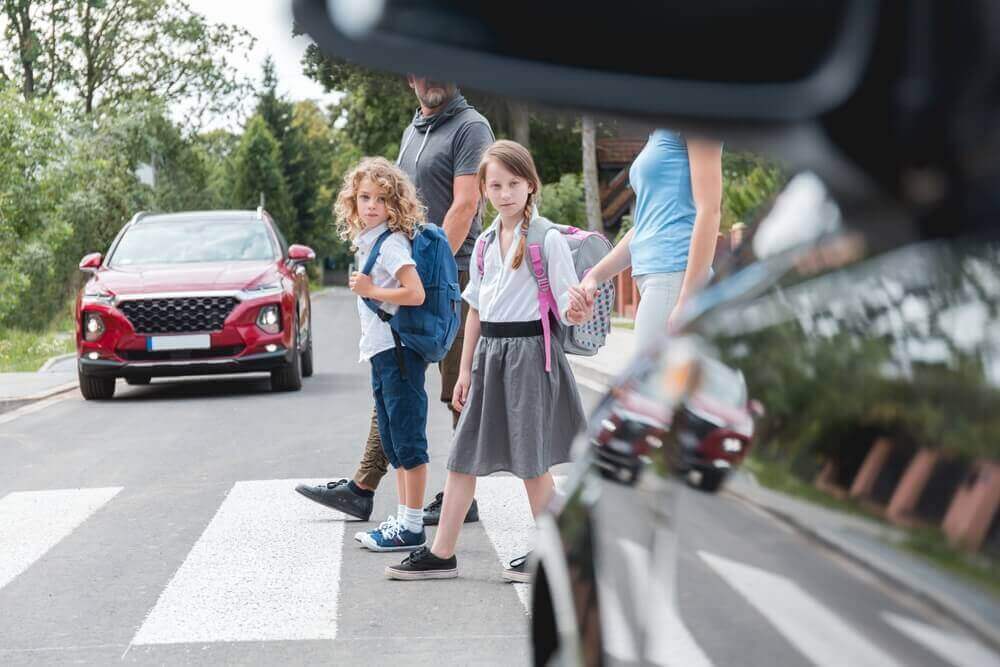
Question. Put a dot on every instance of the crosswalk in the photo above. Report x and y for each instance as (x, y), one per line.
(269, 567)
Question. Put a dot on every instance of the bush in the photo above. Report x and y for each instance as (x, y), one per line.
(562, 202)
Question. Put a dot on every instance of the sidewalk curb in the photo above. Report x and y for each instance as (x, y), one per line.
(51, 361)
(980, 628)
(591, 372)
(8, 405)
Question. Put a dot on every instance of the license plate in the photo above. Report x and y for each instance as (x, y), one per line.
(192, 342)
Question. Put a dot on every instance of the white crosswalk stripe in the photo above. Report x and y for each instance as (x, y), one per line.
(819, 634)
(32, 522)
(955, 649)
(267, 567)
(506, 517)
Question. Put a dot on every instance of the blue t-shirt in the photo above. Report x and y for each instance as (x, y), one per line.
(664, 206)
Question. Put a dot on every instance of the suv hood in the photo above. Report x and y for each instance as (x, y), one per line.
(205, 277)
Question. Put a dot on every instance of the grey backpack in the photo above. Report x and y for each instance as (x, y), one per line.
(588, 248)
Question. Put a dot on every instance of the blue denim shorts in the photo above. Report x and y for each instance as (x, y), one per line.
(401, 407)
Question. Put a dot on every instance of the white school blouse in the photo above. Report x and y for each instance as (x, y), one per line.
(503, 294)
(376, 336)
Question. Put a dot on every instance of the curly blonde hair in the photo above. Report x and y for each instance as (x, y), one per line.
(405, 212)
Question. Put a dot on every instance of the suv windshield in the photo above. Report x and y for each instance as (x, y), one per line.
(178, 242)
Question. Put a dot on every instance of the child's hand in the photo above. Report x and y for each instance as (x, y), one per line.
(461, 392)
(360, 284)
(579, 315)
(582, 296)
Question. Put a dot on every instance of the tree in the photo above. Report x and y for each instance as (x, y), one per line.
(591, 185)
(257, 170)
(376, 107)
(107, 52)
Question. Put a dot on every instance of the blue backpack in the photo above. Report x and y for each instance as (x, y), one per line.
(430, 328)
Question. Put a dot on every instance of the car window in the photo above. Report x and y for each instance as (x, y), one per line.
(177, 242)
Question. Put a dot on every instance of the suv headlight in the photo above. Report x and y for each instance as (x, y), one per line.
(269, 318)
(93, 326)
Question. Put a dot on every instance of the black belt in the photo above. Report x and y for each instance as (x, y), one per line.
(510, 329)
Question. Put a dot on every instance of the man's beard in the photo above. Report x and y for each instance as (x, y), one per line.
(435, 97)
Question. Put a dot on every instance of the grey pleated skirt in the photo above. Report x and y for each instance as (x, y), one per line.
(517, 418)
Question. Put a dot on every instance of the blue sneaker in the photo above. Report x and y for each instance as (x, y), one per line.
(385, 525)
(393, 538)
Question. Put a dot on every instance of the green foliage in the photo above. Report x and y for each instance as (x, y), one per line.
(108, 54)
(376, 106)
(257, 170)
(748, 182)
(555, 147)
(562, 202)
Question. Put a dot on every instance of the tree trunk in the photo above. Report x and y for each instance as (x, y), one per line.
(591, 185)
(519, 124)
(20, 16)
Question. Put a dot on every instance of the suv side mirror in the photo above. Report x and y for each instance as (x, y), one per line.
(90, 263)
(300, 253)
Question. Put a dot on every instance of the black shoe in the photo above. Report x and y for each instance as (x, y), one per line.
(422, 564)
(518, 570)
(432, 513)
(338, 496)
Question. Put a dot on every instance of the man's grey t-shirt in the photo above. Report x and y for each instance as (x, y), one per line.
(437, 149)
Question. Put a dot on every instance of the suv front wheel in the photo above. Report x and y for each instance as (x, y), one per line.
(96, 388)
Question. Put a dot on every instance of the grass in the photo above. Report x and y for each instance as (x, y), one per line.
(931, 544)
(26, 351)
(928, 543)
(623, 324)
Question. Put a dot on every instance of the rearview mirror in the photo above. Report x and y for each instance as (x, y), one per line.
(90, 263)
(301, 253)
(797, 58)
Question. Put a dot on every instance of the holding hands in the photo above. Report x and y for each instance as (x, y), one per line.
(581, 301)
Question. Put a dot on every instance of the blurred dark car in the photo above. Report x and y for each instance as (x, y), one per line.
(716, 425)
(864, 304)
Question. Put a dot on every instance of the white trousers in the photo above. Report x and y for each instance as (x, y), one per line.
(658, 294)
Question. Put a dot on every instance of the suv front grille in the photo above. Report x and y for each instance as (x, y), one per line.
(194, 314)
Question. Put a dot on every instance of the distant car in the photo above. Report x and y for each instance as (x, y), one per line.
(194, 294)
(715, 427)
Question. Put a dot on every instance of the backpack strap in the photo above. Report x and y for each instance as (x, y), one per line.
(367, 270)
(537, 230)
(481, 249)
(375, 305)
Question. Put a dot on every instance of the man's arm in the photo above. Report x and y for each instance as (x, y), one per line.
(458, 220)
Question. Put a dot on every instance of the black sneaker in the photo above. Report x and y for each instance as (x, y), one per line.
(518, 570)
(422, 564)
(432, 513)
(338, 496)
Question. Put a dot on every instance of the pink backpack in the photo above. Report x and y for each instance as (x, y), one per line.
(588, 248)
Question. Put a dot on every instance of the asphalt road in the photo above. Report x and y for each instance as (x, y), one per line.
(162, 527)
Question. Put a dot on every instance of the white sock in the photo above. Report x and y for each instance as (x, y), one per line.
(400, 513)
(413, 519)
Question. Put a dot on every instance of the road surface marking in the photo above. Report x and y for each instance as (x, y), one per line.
(32, 522)
(267, 568)
(955, 649)
(506, 516)
(814, 630)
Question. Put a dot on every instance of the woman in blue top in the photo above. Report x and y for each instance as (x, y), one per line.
(678, 208)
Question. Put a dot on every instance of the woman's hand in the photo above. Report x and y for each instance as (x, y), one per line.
(461, 392)
(675, 320)
(581, 297)
(360, 284)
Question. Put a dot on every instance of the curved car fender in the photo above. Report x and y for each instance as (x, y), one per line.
(551, 556)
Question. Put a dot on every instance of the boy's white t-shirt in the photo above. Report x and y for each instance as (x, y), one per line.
(376, 336)
(505, 294)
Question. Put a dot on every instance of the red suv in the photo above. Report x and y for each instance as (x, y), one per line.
(194, 294)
